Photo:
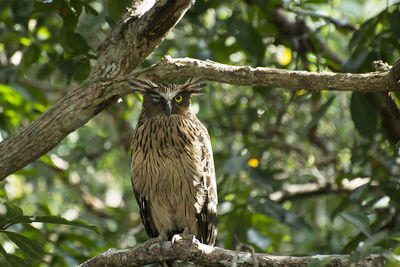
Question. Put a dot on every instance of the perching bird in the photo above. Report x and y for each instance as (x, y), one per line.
(173, 176)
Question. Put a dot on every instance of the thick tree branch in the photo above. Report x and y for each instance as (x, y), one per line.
(214, 256)
(133, 38)
(171, 68)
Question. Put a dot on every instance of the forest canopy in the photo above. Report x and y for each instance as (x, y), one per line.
(299, 172)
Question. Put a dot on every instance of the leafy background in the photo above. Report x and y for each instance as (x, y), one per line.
(76, 201)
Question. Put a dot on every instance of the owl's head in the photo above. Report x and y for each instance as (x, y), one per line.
(167, 98)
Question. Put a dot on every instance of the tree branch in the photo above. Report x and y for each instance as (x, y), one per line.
(133, 38)
(214, 256)
(298, 191)
(338, 22)
(171, 68)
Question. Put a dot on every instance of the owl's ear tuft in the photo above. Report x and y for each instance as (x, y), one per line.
(141, 86)
(194, 86)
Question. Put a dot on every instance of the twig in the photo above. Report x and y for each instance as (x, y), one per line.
(250, 249)
(337, 22)
(297, 191)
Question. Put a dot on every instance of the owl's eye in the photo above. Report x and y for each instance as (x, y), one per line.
(178, 98)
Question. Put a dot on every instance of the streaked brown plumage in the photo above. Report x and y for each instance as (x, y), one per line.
(172, 166)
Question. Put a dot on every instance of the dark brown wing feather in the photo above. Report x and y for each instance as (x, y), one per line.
(207, 222)
(144, 208)
(207, 218)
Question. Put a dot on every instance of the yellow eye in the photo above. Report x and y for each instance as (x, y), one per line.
(178, 98)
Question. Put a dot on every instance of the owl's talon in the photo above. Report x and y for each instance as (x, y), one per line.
(176, 238)
(159, 239)
(190, 238)
(150, 242)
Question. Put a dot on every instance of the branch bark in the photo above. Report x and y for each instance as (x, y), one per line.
(134, 37)
(215, 256)
(171, 68)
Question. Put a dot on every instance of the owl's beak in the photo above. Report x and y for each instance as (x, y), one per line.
(168, 108)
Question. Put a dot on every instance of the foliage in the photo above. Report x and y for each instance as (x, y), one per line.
(264, 139)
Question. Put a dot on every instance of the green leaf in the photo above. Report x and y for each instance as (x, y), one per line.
(394, 21)
(261, 177)
(12, 259)
(15, 215)
(75, 7)
(13, 210)
(322, 262)
(90, 10)
(314, 1)
(3, 221)
(68, 67)
(343, 204)
(115, 9)
(357, 60)
(15, 220)
(397, 96)
(60, 220)
(83, 70)
(247, 36)
(362, 36)
(22, 8)
(70, 19)
(392, 192)
(259, 239)
(48, 6)
(364, 115)
(45, 70)
(31, 55)
(319, 114)
(314, 263)
(357, 193)
(261, 3)
(27, 245)
(234, 165)
(352, 245)
(275, 210)
(359, 220)
(76, 42)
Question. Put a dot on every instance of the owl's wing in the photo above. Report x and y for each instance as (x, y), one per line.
(147, 220)
(207, 218)
(143, 203)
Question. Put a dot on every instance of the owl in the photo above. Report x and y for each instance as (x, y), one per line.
(172, 167)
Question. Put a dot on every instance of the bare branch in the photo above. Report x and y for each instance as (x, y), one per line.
(338, 22)
(298, 191)
(171, 68)
(214, 256)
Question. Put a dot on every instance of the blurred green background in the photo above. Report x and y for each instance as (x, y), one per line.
(299, 173)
